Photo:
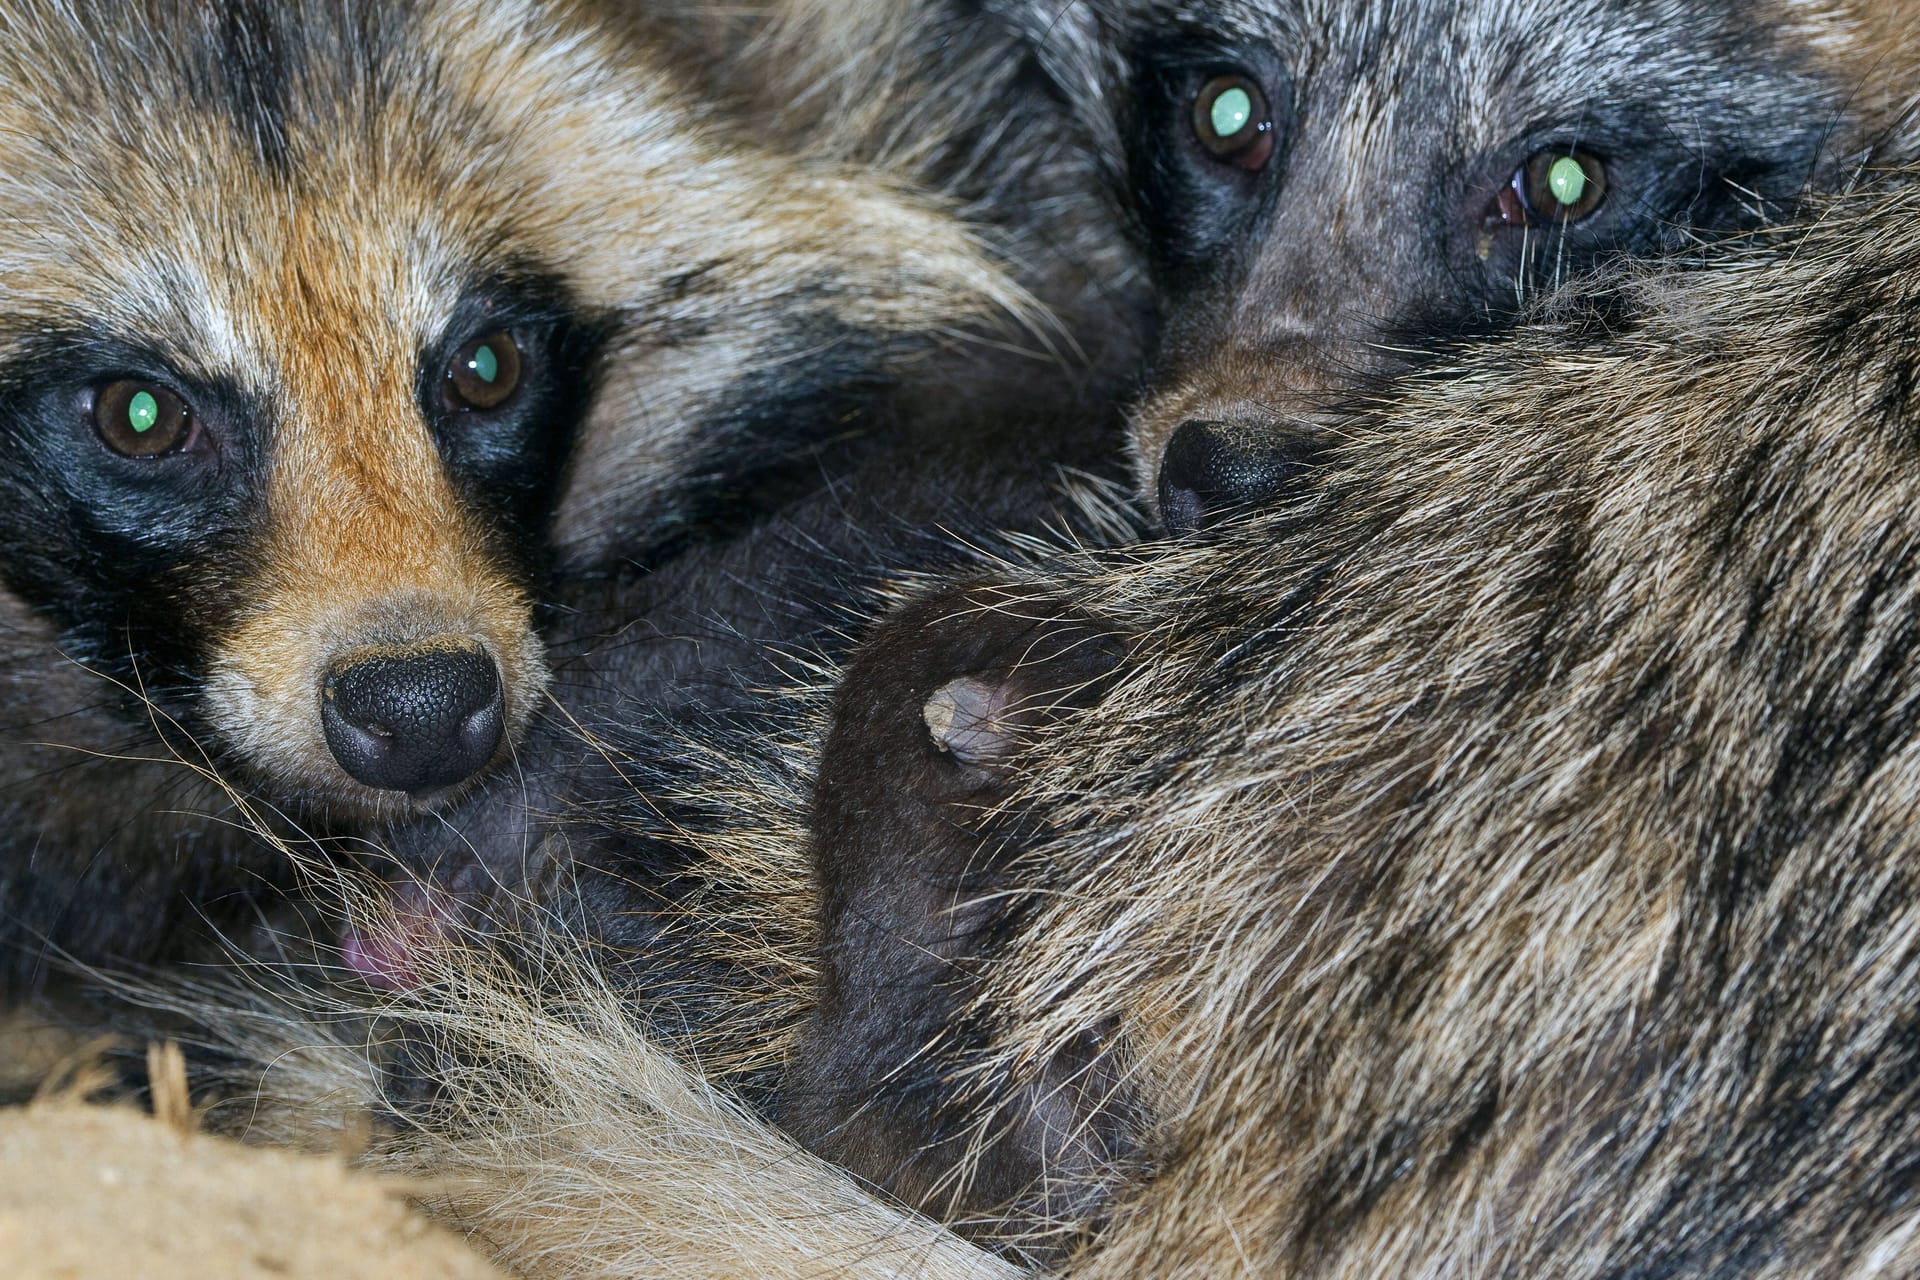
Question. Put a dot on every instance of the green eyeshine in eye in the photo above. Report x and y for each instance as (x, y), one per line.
(1567, 180)
(485, 363)
(142, 412)
(1231, 112)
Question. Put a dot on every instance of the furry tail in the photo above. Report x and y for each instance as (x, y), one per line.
(584, 1150)
(562, 1140)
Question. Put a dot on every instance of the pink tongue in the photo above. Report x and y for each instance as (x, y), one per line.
(386, 954)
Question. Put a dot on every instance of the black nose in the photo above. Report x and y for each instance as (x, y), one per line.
(414, 720)
(1212, 469)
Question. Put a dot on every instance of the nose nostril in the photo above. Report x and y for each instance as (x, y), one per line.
(413, 720)
(1212, 469)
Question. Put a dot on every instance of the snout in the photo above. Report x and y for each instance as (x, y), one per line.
(1212, 469)
(414, 720)
(378, 704)
(1231, 432)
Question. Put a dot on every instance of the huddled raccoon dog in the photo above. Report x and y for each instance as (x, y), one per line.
(1321, 184)
(1494, 859)
(305, 309)
(1289, 253)
(1094, 1038)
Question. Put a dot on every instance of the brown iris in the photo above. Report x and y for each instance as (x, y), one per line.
(1233, 122)
(141, 419)
(484, 372)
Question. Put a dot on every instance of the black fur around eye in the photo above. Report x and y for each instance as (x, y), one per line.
(1556, 185)
(484, 373)
(141, 419)
(1233, 122)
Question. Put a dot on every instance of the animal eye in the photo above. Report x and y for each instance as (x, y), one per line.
(1567, 185)
(1556, 184)
(1233, 122)
(484, 372)
(141, 419)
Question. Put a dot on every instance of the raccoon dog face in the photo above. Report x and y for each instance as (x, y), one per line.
(301, 310)
(1316, 181)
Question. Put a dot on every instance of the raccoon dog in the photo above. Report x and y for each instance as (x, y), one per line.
(305, 307)
(1464, 227)
(1492, 859)
(1319, 185)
